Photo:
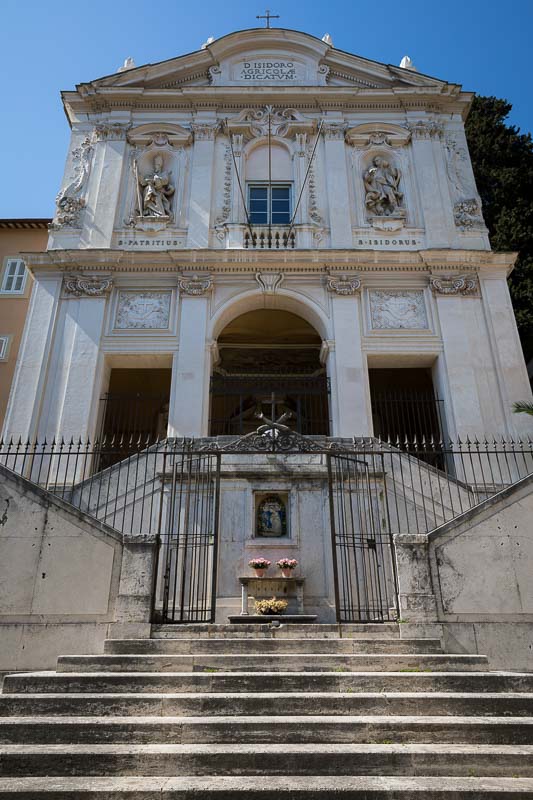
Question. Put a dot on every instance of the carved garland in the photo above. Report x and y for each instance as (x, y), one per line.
(91, 287)
(344, 285)
(195, 286)
(453, 285)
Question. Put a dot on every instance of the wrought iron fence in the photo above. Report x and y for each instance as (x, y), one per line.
(129, 495)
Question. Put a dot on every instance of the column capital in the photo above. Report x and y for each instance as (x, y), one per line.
(195, 285)
(88, 286)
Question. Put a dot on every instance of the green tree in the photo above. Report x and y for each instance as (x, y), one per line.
(502, 159)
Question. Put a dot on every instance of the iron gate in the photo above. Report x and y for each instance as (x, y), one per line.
(364, 567)
(189, 549)
(364, 576)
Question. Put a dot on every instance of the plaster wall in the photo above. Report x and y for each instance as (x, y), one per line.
(59, 577)
(481, 566)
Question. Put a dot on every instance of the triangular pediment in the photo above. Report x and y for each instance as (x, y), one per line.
(267, 57)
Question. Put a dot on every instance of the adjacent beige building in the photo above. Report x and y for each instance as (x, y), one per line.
(16, 237)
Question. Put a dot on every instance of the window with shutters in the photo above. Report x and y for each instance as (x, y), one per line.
(14, 277)
(4, 347)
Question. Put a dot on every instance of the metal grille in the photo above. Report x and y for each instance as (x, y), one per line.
(236, 403)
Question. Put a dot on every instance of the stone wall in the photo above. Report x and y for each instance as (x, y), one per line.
(481, 568)
(59, 577)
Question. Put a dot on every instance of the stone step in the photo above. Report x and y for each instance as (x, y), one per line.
(284, 662)
(274, 788)
(271, 730)
(159, 682)
(420, 703)
(457, 760)
(382, 630)
(225, 646)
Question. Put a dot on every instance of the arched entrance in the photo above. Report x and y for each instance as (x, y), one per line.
(269, 366)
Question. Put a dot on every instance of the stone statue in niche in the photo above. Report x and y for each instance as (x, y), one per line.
(272, 516)
(155, 191)
(382, 193)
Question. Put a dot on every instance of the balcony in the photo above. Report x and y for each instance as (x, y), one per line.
(273, 237)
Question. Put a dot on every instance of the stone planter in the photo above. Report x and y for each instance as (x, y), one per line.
(287, 573)
(259, 573)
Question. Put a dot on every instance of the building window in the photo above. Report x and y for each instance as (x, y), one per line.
(269, 204)
(4, 347)
(14, 278)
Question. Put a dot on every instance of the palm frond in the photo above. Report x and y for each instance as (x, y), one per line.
(523, 408)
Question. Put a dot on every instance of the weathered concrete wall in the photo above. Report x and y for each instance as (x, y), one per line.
(59, 577)
(482, 575)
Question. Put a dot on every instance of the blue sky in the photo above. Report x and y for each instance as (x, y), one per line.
(46, 47)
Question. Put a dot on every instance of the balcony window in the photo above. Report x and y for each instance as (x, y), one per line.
(269, 205)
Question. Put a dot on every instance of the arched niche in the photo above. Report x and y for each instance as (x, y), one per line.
(269, 366)
(257, 161)
(250, 301)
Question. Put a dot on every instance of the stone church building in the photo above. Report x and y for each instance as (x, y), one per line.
(269, 231)
(265, 506)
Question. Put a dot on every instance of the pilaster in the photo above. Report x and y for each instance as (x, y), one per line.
(104, 186)
(32, 366)
(349, 384)
(337, 185)
(432, 182)
(191, 364)
(201, 184)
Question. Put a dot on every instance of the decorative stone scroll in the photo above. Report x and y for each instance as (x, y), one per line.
(204, 131)
(454, 285)
(70, 201)
(255, 122)
(269, 281)
(334, 130)
(344, 285)
(425, 130)
(88, 286)
(143, 310)
(110, 131)
(395, 310)
(195, 286)
(467, 214)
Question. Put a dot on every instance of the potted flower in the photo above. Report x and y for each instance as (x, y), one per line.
(260, 565)
(286, 566)
(271, 606)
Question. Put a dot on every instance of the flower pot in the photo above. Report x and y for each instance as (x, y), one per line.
(259, 572)
(287, 573)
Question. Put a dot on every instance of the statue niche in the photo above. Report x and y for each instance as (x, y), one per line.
(154, 191)
(383, 197)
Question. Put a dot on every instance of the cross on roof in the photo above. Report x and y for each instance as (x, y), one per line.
(268, 16)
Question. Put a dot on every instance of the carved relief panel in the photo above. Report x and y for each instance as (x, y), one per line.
(143, 310)
(398, 310)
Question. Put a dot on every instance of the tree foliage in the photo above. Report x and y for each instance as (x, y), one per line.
(502, 159)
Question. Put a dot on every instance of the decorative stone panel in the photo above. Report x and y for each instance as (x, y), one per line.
(143, 310)
(398, 310)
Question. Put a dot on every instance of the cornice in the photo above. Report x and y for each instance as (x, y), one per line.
(293, 262)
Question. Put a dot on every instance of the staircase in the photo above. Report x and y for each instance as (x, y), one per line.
(224, 712)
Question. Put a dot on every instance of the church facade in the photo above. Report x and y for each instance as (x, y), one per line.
(268, 224)
(268, 315)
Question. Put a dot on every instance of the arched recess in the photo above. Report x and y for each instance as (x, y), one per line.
(268, 361)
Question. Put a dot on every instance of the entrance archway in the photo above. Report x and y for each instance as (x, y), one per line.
(269, 366)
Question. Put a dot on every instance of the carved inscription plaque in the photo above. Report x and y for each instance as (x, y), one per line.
(143, 310)
(268, 69)
(395, 310)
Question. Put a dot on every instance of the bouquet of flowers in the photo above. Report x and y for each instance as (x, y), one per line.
(259, 563)
(272, 606)
(287, 563)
